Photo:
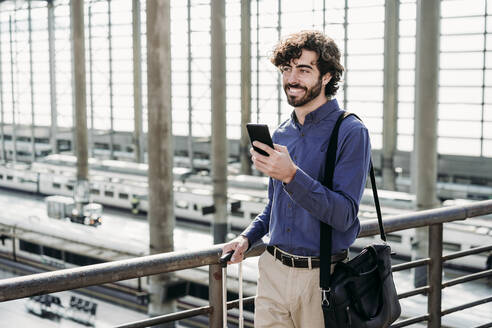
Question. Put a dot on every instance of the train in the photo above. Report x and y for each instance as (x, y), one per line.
(118, 184)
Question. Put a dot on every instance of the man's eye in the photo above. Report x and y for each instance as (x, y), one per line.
(286, 69)
(304, 71)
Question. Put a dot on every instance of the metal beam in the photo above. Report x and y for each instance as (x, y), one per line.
(31, 81)
(245, 85)
(2, 104)
(137, 82)
(390, 92)
(219, 128)
(91, 82)
(12, 88)
(52, 63)
(111, 93)
(190, 95)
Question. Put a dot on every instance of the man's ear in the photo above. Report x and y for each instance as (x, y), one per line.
(326, 78)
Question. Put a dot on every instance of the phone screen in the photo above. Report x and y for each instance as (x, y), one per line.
(260, 133)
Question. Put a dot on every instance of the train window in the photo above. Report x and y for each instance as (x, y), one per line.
(56, 185)
(9, 177)
(1, 176)
(29, 247)
(123, 195)
(195, 207)
(80, 259)
(95, 191)
(393, 238)
(69, 187)
(116, 147)
(52, 252)
(238, 214)
(451, 246)
(108, 193)
(100, 145)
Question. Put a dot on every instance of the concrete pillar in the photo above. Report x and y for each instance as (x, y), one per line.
(244, 144)
(111, 92)
(219, 135)
(78, 53)
(51, 45)
(424, 156)
(137, 83)
(390, 92)
(160, 148)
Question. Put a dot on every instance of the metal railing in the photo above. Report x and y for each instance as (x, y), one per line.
(68, 279)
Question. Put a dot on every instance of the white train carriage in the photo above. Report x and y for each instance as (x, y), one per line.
(18, 176)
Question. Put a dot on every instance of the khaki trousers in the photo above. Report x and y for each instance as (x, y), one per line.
(287, 297)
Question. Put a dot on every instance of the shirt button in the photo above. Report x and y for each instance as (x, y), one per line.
(288, 229)
(289, 206)
(302, 134)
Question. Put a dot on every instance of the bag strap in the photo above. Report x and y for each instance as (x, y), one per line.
(325, 229)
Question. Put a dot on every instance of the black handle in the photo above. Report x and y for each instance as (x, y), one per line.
(225, 258)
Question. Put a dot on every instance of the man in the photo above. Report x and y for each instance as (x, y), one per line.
(288, 285)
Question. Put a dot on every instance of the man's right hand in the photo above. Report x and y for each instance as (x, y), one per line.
(239, 245)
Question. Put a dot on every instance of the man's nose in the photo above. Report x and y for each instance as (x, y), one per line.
(293, 78)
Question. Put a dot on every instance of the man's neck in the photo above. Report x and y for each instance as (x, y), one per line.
(303, 111)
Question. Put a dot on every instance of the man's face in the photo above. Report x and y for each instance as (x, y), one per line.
(302, 80)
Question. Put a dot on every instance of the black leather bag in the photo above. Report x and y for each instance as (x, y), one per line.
(360, 292)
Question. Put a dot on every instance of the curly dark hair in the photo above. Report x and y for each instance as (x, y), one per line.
(327, 50)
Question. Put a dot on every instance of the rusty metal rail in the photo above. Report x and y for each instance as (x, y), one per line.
(49, 282)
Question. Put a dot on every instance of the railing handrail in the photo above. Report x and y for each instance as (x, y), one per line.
(67, 279)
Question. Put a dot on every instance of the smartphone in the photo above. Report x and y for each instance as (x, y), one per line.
(260, 133)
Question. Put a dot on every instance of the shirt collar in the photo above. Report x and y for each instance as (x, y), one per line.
(318, 114)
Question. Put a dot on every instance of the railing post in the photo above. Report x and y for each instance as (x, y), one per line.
(215, 295)
(435, 276)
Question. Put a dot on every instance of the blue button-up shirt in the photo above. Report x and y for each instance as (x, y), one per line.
(294, 210)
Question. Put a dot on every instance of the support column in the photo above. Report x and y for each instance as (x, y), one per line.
(137, 83)
(390, 93)
(160, 149)
(91, 83)
(78, 53)
(424, 156)
(12, 88)
(245, 85)
(2, 105)
(190, 93)
(31, 82)
(52, 63)
(219, 130)
(111, 92)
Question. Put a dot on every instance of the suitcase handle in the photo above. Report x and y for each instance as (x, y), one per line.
(225, 258)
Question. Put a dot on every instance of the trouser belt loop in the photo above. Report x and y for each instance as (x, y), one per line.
(275, 253)
(310, 265)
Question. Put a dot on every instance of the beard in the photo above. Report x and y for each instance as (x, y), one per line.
(309, 93)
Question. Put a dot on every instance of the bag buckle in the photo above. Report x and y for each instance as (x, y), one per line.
(325, 295)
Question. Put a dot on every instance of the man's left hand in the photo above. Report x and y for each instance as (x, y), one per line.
(278, 165)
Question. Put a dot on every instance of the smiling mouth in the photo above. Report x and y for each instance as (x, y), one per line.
(295, 91)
